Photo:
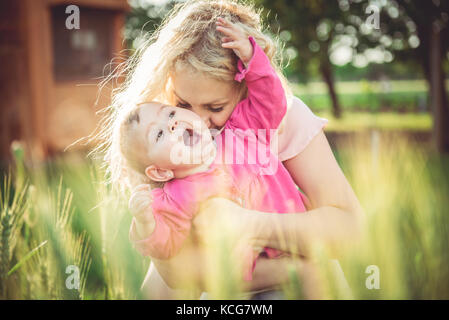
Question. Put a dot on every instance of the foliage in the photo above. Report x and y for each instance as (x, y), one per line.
(61, 215)
(57, 216)
(144, 17)
(374, 96)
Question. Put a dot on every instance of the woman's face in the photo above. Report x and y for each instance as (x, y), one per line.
(209, 98)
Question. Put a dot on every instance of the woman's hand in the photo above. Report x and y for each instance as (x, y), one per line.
(222, 217)
(222, 227)
(235, 39)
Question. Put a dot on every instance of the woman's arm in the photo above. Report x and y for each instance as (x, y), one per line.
(187, 271)
(334, 217)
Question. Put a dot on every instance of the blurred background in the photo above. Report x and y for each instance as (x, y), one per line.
(378, 70)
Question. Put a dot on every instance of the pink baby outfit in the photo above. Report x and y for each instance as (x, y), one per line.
(245, 170)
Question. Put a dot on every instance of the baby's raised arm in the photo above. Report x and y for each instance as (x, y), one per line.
(266, 104)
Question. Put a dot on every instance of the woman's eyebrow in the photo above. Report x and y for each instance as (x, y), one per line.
(222, 100)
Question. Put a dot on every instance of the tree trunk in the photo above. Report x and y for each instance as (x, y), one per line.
(326, 72)
(438, 96)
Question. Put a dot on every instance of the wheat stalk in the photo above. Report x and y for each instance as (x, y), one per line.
(4, 250)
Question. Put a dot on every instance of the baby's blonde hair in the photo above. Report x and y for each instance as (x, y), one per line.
(133, 150)
(186, 38)
(129, 144)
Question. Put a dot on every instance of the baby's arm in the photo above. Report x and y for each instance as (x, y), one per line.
(266, 104)
(159, 227)
(235, 39)
(140, 207)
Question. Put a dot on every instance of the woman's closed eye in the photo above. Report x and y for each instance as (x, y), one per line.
(215, 109)
(211, 108)
(171, 114)
(183, 105)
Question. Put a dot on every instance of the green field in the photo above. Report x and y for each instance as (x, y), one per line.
(399, 95)
(352, 121)
(61, 214)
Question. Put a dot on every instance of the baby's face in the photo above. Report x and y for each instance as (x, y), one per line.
(175, 138)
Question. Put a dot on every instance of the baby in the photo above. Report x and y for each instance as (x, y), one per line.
(173, 147)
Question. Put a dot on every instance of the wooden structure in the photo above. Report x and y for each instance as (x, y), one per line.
(49, 74)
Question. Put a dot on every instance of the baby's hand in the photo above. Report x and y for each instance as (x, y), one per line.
(140, 204)
(235, 39)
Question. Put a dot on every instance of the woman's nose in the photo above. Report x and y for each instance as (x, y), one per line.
(207, 121)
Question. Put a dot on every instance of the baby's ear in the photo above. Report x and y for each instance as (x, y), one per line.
(157, 174)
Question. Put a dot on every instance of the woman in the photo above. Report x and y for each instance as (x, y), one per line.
(189, 39)
(333, 215)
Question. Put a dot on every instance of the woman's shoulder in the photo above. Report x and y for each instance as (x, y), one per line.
(299, 111)
(299, 127)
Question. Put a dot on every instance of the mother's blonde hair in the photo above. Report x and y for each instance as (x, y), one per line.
(187, 37)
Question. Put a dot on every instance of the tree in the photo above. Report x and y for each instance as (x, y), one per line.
(145, 17)
(308, 27)
(415, 31)
(431, 19)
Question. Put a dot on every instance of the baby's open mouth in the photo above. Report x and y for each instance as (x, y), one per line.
(190, 137)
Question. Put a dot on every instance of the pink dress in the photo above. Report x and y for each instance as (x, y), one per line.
(245, 169)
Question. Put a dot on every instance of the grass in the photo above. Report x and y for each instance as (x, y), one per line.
(385, 121)
(399, 95)
(402, 189)
(61, 214)
(67, 218)
(394, 101)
